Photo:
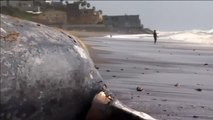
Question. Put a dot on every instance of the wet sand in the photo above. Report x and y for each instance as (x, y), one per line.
(85, 34)
(176, 77)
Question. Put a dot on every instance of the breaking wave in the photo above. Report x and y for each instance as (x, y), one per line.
(194, 36)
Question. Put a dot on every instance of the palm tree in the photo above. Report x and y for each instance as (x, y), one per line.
(100, 11)
(93, 7)
(88, 5)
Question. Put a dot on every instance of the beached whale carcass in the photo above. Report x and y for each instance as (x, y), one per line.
(47, 75)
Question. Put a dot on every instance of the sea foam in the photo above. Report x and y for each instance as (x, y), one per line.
(193, 36)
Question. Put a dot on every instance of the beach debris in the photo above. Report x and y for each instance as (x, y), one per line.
(51, 79)
(139, 88)
(107, 70)
(146, 68)
(195, 116)
(121, 69)
(164, 100)
(114, 76)
(180, 107)
(205, 64)
(198, 89)
(177, 85)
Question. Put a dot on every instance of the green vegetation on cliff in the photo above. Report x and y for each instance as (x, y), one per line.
(16, 13)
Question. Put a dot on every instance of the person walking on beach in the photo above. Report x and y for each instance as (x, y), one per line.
(155, 36)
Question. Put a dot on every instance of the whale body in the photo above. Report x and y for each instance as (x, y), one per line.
(46, 74)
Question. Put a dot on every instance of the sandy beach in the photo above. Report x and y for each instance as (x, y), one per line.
(175, 76)
(47, 70)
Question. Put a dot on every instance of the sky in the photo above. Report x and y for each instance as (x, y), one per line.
(163, 15)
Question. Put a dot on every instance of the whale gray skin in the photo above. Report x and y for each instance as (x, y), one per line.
(47, 75)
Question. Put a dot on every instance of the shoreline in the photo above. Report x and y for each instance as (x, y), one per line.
(86, 34)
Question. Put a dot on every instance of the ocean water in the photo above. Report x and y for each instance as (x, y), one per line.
(193, 36)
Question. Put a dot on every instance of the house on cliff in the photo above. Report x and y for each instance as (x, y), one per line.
(75, 15)
(124, 22)
(22, 5)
